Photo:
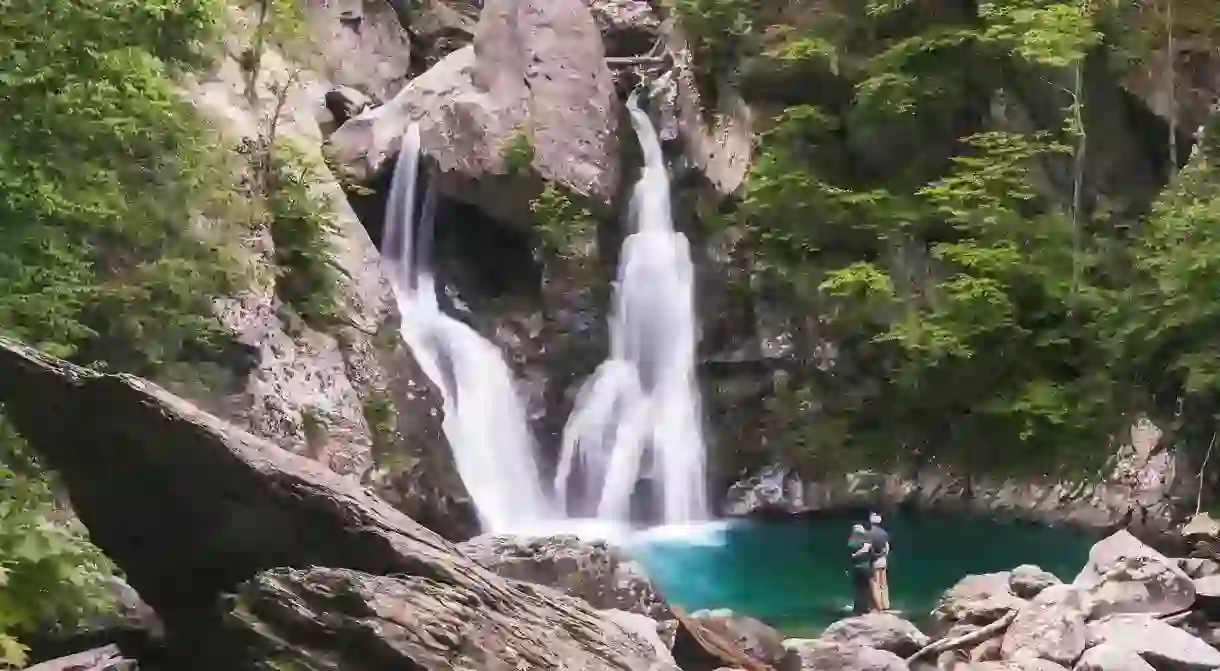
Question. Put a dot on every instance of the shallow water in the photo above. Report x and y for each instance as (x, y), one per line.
(792, 573)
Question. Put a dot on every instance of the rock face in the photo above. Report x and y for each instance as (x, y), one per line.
(1050, 627)
(343, 393)
(361, 44)
(882, 631)
(535, 77)
(183, 494)
(1161, 645)
(1139, 492)
(1125, 576)
(590, 570)
(977, 599)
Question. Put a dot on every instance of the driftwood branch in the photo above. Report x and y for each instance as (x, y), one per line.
(654, 56)
(627, 61)
(1203, 472)
(977, 636)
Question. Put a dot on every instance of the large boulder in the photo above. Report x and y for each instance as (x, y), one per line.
(1027, 580)
(977, 599)
(361, 44)
(1124, 575)
(1163, 646)
(191, 507)
(882, 631)
(590, 570)
(1050, 627)
(756, 639)
(534, 82)
(301, 618)
(818, 655)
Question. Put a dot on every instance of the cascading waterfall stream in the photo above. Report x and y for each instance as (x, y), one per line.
(639, 414)
(485, 420)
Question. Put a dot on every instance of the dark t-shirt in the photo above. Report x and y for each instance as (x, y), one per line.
(864, 561)
(880, 540)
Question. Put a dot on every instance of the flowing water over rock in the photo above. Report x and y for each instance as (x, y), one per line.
(638, 417)
(485, 419)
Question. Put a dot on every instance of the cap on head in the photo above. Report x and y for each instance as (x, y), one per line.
(874, 518)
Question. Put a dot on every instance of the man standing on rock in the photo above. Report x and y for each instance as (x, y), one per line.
(879, 541)
(861, 569)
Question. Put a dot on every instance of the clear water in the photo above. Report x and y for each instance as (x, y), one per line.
(638, 416)
(485, 418)
(792, 573)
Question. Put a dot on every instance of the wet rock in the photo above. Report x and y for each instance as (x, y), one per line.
(1050, 627)
(881, 631)
(818, 655)
(590, 570)
(1125, 576)
(535, 77)
(1027, 581)
(1163, 646)
(1112, 657)
(977, 599)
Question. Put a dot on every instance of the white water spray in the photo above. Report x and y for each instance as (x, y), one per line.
(485, 420)
(638, 416)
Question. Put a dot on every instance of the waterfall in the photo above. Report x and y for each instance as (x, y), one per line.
(485, 420)
(638, 416)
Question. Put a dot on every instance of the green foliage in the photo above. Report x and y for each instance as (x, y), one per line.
(565, 229)
(717, 32)
(50, 576)
(518, 152)
(975, 311)
(382, 419)
(278, 22)
(105, 171)
(302, 225)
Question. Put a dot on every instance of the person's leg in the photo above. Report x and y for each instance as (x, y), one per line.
(883, 588)
(874, 588)
(861, 593)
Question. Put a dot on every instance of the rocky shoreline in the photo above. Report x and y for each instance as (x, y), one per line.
(1142, 492)
(1130, 608)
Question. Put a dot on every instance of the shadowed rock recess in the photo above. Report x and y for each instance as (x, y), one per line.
(326, 575)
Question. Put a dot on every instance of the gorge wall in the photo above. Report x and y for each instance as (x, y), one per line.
(521, 118)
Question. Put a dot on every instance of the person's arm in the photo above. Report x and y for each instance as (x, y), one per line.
(864, 549)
